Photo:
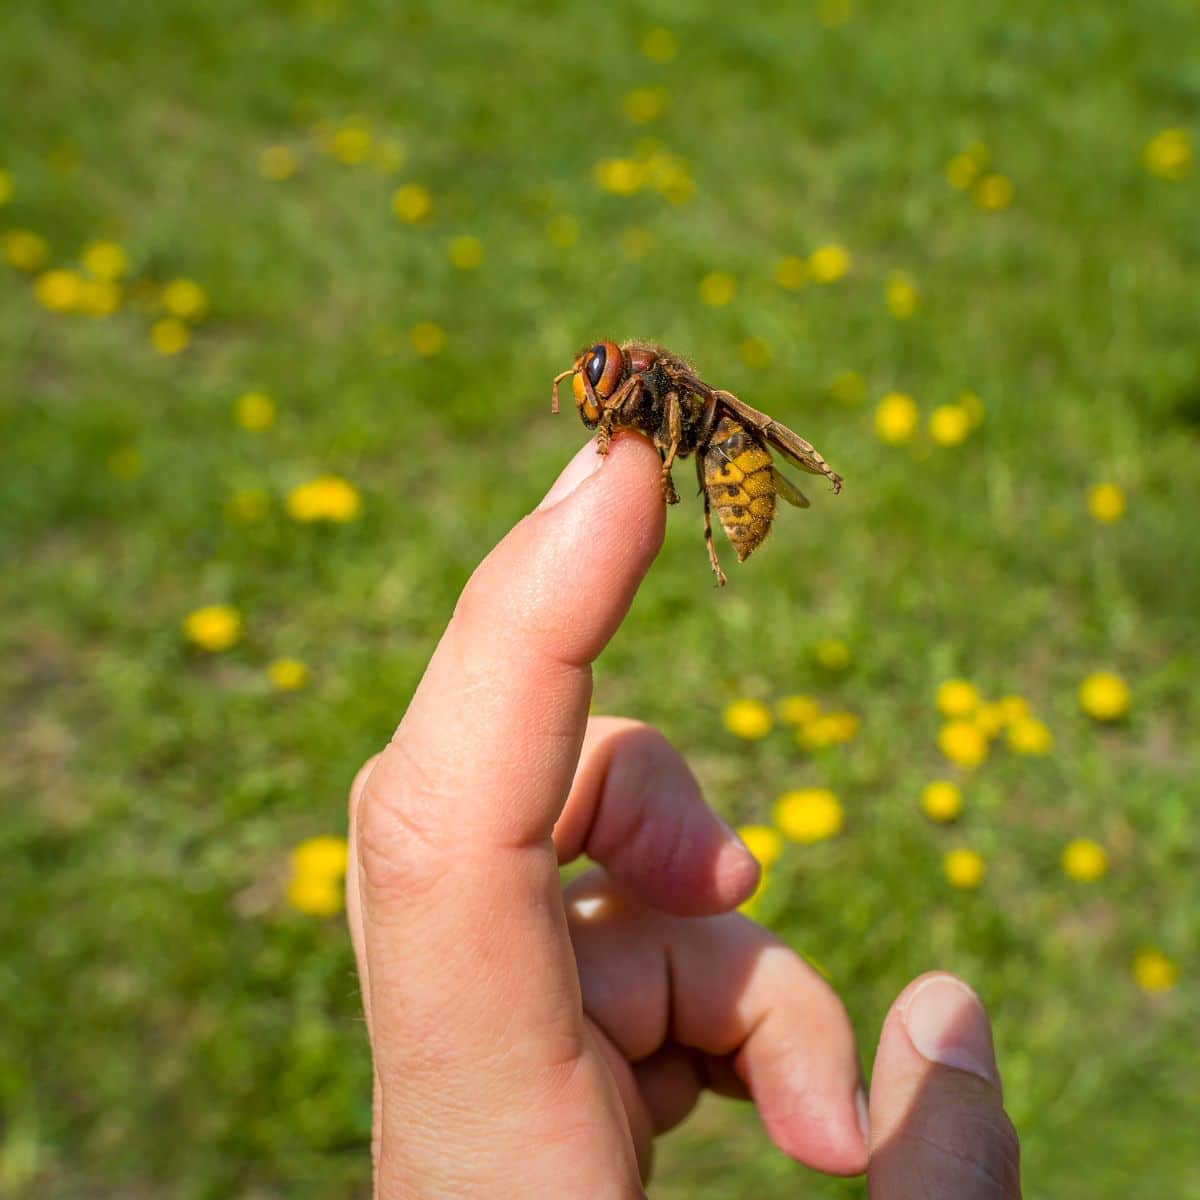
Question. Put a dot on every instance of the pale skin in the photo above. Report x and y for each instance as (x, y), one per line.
(531, 1041)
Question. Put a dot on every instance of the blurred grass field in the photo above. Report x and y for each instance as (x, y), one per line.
(399, 221)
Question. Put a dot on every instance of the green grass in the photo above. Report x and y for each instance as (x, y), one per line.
(170, 1027)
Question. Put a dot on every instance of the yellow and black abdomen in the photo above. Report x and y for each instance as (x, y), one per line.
(739, 480)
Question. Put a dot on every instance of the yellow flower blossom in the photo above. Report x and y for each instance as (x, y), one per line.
(900, 295)
(169, 336)
(941, 800)
(124, 463)
(1168, 155)
(1106, 502)
(762, 841)
(829, 263)
(748, 719)
(808, 815)
(185, 299)
(848, 388)
(621, 176)
(957, 698)
(99, 297)
(896, 418)
(1084, 860)
(104, 260)
(832, 654)
(562, 230)
(466, 252)
(990, 719)
(215, 627)
(717, 288)
(962, 742)
(1104, 696)
(660, 45)
(962, 171)
(756, 352)
(791, 272)
(254, 411)
(351, 143)
(1028, 735)
(327, 498)
(1153, 970)
(636, 243)
(832, 13)
(949, 425)
(993, 192)
(247, 505)
(831, 729)
(964, 868)
(6, 187)
(798, 710)
(1013, 708)
(972, 405)
(277, 162)
(646, 104)
(58, 290)
(287, 674)
(24, 249)
(411, 203)
(427, 338)
(315, 896)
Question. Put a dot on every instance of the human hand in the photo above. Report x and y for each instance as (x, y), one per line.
(527, 1044)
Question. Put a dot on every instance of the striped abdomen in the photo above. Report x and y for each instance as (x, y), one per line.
(740, 484)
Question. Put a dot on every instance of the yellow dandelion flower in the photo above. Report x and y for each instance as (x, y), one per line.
(1106, 502)
(990, 719)
(798, 710)
(832, 654)
(428, 338)
(1013, 708)
(993, 192)
(1104, 696)
(1084, 860)
(287, 674)
(124, 463)
(351, 143)
(756, 352)
(1168, 155)
(104, 260)
(58, 290)
(646, 104)
(949, 425)
(832, 729)
(900, 295)
(829, 263)
(762, 841)
(254, 411)
(962, 171)
(832, 13)
(964, 868)
(962, 742)
(169, 336)
(957, 698)
(660, 45)
(315, 896)
(972, 405)
(636, 243)
(717, 288)
(6, 187)
(247, 505)
(808, 815)
(896, 418)
(1154, 971)
(411, 203)
(24, 249)
(215, 627)
(388, 156)
(277, 162)
(1028, 735)
(791, 272)
(185, 299)
(621, 176)
(941, 800)
(327, 498)
(562, 230)
(99, 297)
(748, 719)
(466, 252)
(848, 388)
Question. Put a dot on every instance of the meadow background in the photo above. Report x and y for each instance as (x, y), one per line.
(283, 287)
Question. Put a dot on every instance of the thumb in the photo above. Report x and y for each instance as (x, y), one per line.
(938, 1126)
